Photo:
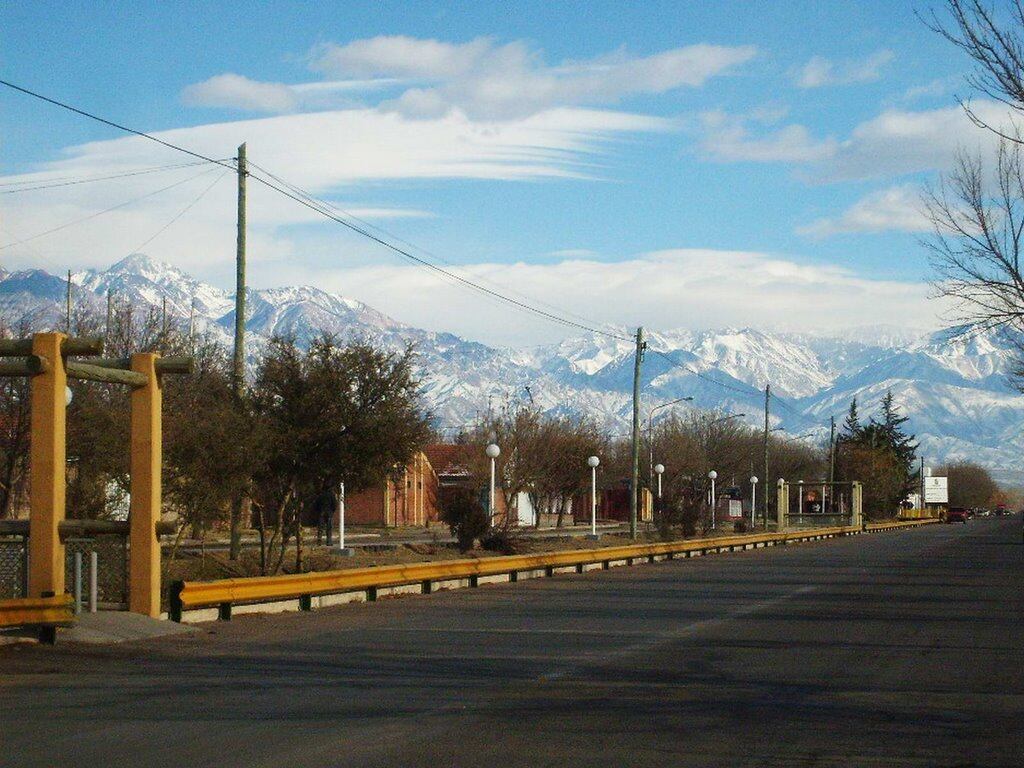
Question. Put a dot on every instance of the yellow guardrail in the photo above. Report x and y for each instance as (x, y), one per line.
(48, 613)
(223, 593)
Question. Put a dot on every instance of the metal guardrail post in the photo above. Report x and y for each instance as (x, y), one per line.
(94, 560)
(78, 583)
(174, 596)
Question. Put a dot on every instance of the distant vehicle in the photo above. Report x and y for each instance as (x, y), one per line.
(956, 515)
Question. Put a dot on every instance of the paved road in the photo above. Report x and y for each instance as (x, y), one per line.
(899, 648)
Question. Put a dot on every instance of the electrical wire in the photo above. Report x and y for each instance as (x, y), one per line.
(392, 236)
(323, 210)
(112, 124)
(106, 210)
(451, 276)
(68, 181)
(180, 213)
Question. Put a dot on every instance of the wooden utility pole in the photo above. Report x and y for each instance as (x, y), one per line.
(67, 321)
(238, 361)
(634, 483)
(831, 460)
(767, 399)
(238, 368)
(110, 318)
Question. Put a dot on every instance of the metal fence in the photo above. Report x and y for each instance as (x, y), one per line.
(13, 567)
(112, 567)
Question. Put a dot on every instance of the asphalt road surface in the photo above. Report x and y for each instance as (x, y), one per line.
(899, 648)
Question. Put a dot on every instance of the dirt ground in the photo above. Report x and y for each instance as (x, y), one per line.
(190, 566)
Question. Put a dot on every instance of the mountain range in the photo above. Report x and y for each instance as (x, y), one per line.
(954, 388)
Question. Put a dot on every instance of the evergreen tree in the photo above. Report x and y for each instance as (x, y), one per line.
(852, 426)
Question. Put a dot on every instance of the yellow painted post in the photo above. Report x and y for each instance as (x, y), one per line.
(782, 506)
(144, 512)
(47, 464)
(857, 504)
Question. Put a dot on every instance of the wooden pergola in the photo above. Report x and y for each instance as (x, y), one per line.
(45, 358)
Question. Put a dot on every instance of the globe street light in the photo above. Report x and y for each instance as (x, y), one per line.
(67, 395)
(659, 470)
(492, 451)
(592, 462)
(712, 474)
(753, 498)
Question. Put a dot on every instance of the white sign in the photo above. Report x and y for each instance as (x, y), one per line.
(936, 490)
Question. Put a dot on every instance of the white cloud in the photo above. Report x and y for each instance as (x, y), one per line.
(894, 209)
(491, 80)
(231, 91)
(820, 71)
(894, 143)
(719, 289)
(239, 92)
(729, 139)
(327, 153)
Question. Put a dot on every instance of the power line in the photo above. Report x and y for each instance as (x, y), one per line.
(106, 210)
(704, 376)
(392, 236)
(112, 124)
(68, 181)
(320, 208)
(180, 213)
(326, 212)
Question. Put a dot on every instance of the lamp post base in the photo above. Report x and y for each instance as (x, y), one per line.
(345, 552)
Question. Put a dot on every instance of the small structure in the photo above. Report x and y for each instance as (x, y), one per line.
(408, 497)
(613, 504)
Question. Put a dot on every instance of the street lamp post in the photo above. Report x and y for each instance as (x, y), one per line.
(659, 470)
(712, 474)
(492, 451)
(592, 462)
(753, 498)
(650, 429)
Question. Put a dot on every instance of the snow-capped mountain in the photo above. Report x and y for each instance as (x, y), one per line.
(954, 389)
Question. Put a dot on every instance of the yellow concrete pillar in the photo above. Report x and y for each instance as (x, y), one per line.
(782, 506)
(47, 465)
(144, 512)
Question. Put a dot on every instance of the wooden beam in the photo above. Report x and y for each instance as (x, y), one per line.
(89, 372)
(76, 346)
(31, 365)
(172, 364)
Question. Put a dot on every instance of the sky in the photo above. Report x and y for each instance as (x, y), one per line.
(675, 165)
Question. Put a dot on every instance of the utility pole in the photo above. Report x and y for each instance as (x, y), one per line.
(767, 398)
(635, 478)
(192, 324)
(238, 361)
(831, 459)
(163, 321)
(68, 318)
(238, 368)
(110, 318)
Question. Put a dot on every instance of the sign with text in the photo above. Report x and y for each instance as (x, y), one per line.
(936, 490)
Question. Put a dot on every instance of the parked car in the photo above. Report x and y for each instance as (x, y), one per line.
(956, 515)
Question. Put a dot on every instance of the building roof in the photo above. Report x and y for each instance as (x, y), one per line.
(447, 458)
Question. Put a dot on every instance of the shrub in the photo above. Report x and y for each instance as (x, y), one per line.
(501, 539)
(740, 527)
(465, 516)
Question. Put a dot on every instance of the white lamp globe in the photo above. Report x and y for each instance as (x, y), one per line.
(593, 461)
(493, 451)
(753, 479)
(67, 395)
(712, 474)
(782, 481)
(659, 468)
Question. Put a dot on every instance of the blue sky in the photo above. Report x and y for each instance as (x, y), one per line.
(676, 164)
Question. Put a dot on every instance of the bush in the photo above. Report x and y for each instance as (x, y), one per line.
(740, 527)
(501, 540)
(465, 516)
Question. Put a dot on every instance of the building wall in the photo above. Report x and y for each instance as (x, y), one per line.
(409, 499)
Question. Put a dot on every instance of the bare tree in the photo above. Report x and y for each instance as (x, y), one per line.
(977, 217)
(995, 42)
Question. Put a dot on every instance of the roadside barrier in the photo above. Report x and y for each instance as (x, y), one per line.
(223, 594)
(46, 613)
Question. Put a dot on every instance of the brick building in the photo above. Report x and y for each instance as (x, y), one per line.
(409, 498)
